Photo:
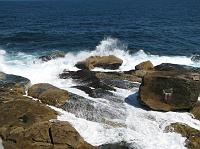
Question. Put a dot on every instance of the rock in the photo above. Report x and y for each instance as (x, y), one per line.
(118, 76)
(24, 123)
(120, 145)
(12, 87)
(48, 94)
(14, 82)
(196, 110)
(88, 82)
(176, 67)
(97, 111)
(105, 62)
(46, 135)
(166, 91)
(24, 113)
(147, 65)
(192, 135)
(196, 58)
(54, 55)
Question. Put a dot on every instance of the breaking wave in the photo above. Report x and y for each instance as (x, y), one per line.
(142, 129)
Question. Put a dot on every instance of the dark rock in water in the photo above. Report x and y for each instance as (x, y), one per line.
(54, 55)
(121, 76)
(192, 135)
(87, 81)
(176, 67)
(196, 58)
(147, 65)
(196, 110)
(48, 94)
(94, 92)
(165, 90)
(95, 111)
(106, 62)
(120, 145)
(45, 135)
(124, 84)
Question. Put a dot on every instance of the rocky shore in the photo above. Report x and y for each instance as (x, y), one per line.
(27, 121)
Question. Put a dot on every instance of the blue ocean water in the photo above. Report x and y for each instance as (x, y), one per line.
(158, 27)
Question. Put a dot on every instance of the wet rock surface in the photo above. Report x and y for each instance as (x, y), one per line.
(96, 111)
(120, 145)
(106, 62)
(88, 82)
(51, 56)
(192, 135)
(177, 68)
(165, 90)
(196, 58)
(48, 94)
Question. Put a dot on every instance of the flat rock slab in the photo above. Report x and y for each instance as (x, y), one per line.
(14, 82)
(48, 94)
(46, 135)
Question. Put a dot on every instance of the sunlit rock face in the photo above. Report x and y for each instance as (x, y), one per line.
(169, 90)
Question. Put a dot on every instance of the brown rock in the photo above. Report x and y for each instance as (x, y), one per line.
(147, 65)
(196, 110)
(192, 135)
(12, 87)
(51, 56)
(48, 94)
(46, 135)
(106, 62)
(24, 113)
(165, 90)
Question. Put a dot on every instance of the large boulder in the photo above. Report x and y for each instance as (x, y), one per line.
(48, 94)
(165, 90)
(24, 113)
(46, 135)
(147, 65)
(51, 56)
(192, 135)
(106, 62)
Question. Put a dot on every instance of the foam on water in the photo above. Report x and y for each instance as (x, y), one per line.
(28, 65)
(1, 145)
(144, 129)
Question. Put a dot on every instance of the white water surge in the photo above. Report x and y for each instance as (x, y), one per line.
(1, 145)
(143, 129)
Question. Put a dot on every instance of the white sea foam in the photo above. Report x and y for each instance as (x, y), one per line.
(144, 129)
(29, 66)
(1, 145)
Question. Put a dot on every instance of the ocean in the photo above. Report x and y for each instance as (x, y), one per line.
(134, 30)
